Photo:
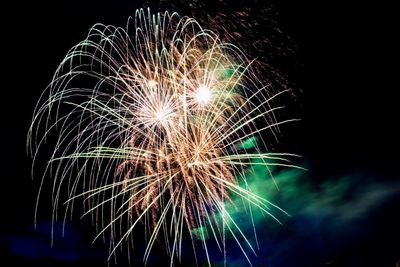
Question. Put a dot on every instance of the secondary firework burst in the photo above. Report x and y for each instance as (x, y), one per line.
(152, 124)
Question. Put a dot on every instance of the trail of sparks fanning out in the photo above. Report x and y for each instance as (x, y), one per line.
(157, 124)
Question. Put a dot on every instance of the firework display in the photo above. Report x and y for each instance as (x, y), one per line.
(158, 124)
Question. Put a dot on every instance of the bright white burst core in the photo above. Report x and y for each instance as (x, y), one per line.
(162, 114)
(203, 95)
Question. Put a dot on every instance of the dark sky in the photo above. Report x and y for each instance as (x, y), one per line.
(344, 65)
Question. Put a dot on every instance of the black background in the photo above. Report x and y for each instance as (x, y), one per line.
(346, 68)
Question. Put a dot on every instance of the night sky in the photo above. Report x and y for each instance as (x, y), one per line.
(340, 58)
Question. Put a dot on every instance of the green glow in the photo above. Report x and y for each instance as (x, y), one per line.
(283, 188)
(227, 73)
(248, 143)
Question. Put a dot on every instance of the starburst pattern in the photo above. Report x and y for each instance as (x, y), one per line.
(150, 124)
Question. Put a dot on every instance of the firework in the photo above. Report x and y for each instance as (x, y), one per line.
(157, 124)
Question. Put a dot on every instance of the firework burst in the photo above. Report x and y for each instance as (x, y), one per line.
(151, 124)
